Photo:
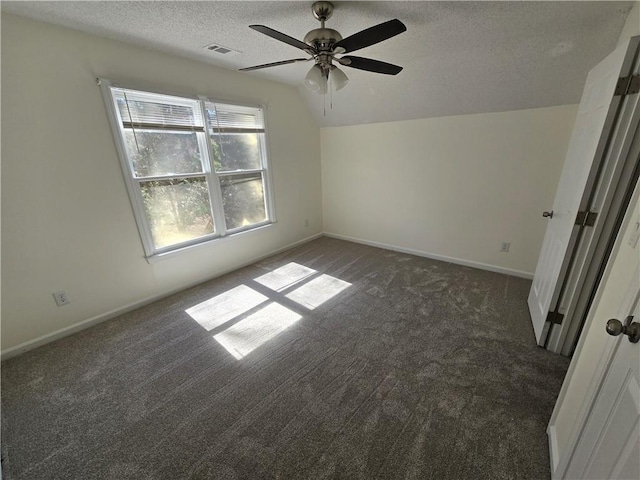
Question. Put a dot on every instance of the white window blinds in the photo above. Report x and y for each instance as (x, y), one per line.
(234, 118)
(141, 109)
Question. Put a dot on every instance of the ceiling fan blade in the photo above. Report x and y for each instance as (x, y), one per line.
(281, 36)
(274, 64)
(371, 36)
(370, 65)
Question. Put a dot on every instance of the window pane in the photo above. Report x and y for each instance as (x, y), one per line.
(153, 153)
(178, 210)
(236, 151)
(243, 200)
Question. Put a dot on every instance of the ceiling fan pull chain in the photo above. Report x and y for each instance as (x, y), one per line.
(329, 83)
(331, 91)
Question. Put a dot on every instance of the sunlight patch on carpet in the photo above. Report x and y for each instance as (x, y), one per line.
(285, 276)
(248, 334)
(313, 294)
(224, 307)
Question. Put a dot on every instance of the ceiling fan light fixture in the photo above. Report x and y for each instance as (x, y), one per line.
(315, 81)
(338, 78)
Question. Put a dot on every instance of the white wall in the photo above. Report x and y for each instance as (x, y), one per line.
(67, 222)
(452, 186)
(632, 25)
(587, 365)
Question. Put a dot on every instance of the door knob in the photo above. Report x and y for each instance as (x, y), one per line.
(548, 214)
(632, 329)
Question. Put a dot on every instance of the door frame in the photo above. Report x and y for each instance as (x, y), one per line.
(560, 465)
(615, 208)
(608, 196)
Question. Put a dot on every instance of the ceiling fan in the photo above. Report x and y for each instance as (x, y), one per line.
(323, 44)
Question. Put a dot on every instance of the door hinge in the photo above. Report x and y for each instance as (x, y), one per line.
(586, 219)
(627, 85)
(555, 317)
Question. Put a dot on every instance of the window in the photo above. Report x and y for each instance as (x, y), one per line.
(195, 169)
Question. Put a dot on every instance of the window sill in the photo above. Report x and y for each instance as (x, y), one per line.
(158, 257)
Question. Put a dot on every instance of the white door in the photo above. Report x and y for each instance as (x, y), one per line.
(609, 447)
(594, 431)
(594, 122)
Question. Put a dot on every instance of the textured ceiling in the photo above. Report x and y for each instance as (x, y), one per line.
(458, 57)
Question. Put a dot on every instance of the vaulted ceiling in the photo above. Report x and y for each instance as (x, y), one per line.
(458, 57)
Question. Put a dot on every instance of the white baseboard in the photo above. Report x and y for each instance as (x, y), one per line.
(443, 258)
(553, 450)
(76, 327)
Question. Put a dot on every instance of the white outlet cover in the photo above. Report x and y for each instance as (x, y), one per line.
(61, 298)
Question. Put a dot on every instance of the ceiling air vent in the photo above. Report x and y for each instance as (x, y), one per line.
(216, 47)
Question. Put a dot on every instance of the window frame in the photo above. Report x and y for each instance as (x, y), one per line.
(133, 183)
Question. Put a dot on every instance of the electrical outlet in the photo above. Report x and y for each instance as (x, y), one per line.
(306, 222)
(505, 247)
(61, 298)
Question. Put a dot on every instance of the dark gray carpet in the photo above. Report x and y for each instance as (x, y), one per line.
(418, 369)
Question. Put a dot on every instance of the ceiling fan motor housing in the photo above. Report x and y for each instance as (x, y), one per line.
(322, 39)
